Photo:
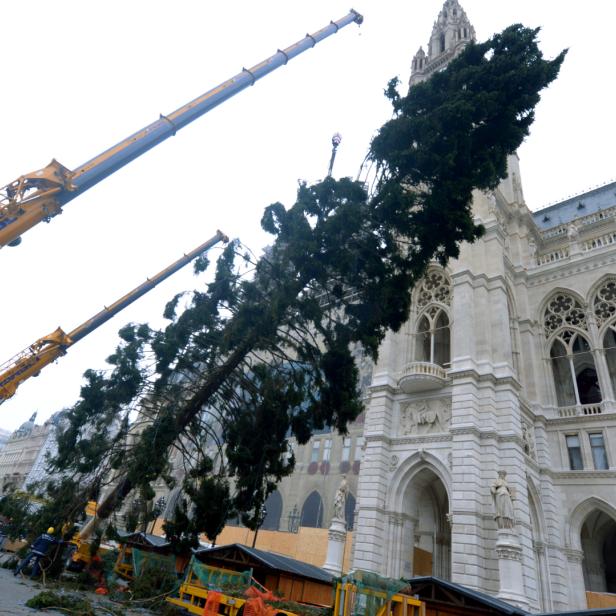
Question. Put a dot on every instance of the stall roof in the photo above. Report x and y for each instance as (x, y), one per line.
(243, 554)
(142, 538)
(601, 611)
(425, 587)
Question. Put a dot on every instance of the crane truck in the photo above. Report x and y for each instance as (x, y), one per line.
(49, 348)
(41, 195)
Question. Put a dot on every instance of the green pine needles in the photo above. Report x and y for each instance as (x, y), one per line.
(249, 361)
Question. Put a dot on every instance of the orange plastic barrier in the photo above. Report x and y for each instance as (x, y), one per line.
(255, 604)
(212, 604)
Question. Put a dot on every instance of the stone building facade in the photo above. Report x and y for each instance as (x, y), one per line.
(20, 453)
(507, 363)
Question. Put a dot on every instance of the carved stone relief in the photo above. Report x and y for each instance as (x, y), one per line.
(393, 462)
(425, 416)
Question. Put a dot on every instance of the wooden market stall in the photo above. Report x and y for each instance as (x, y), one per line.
(293, 579)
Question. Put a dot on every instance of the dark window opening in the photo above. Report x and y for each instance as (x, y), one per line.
(597, 447)
(273, 507)
(312, 511)
(349, 511)
(575, 452)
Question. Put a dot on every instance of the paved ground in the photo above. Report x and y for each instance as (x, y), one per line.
(15, 591)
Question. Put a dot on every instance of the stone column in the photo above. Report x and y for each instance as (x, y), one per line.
(394, 554)
(336, 538)
(370, 546)
(509, 553)
(577, 589)
(407, 545)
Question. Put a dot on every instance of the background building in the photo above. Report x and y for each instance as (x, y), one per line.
(4, 437)
(23, 458)
(20, 452)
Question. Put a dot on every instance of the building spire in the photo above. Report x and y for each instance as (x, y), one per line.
(451, 32)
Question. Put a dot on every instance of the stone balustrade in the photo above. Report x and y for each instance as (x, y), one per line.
(580, 409)
(599, 242)
(422, 376)
(560, 254)
(554, 255)
(561, 230)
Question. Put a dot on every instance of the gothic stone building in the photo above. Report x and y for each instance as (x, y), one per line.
(507, 363)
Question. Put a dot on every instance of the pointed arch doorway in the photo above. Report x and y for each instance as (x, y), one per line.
(598, 539)
(427, 503)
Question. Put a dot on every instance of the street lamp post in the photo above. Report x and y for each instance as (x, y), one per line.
(294, 517)
(157, 510)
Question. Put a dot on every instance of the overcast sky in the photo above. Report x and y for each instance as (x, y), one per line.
(77, 77)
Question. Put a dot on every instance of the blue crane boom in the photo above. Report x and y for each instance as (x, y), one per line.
(40, 195)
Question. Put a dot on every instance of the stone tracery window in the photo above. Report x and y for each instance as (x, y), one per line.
(563, 310)
(604, 309)
(434, 288)
(604, 305)
(432, 330)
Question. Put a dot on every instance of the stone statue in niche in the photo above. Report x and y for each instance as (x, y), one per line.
(573, 233)
(495, 212)
(517, 188)
(426, 416)
(528, 441)
(532, 251)
(503, 502)
(340, 499)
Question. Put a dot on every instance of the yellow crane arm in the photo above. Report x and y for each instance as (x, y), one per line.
(31, 361)
(47, 349)
(41, 195)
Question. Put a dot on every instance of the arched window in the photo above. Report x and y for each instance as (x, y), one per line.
(432, 342)
(312, 511)
(573, 366)
(609, 344)
(432, 331)
(349, 511)
(273, 507)
(442, 43)
(604, 308)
